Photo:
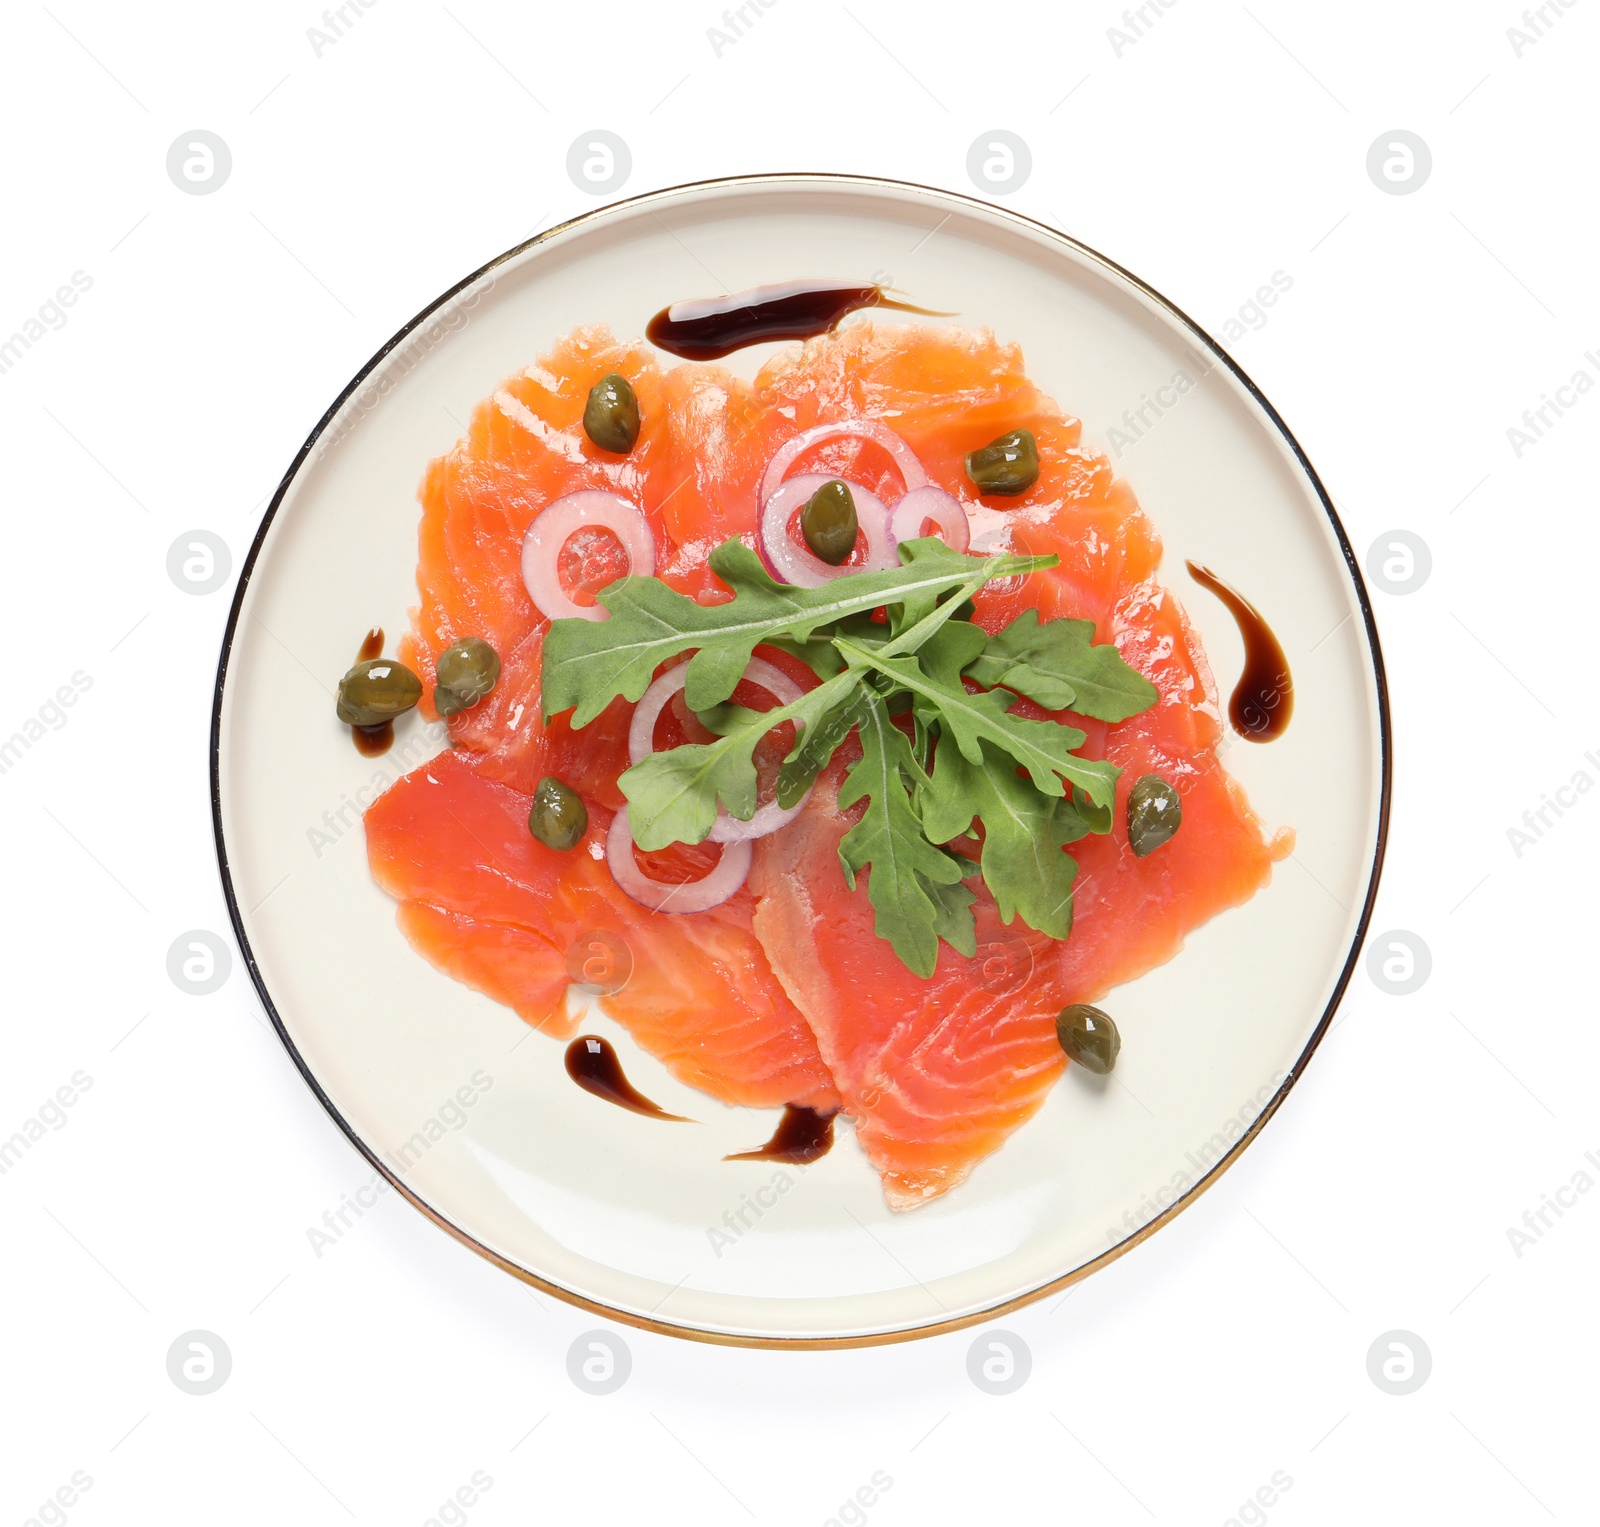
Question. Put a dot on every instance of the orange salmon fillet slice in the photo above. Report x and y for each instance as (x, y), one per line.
(784, 994)
(489, 904)
(939, 1073)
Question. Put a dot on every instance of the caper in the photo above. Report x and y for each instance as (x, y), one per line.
(1155, 812)
(1008, 465)
(376, 691)
(559, 818)
(1089, 1037)
(466, 671)
(828, 522)
(611, 416)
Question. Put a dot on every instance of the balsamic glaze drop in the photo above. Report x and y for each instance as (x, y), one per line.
(372, 741)
(802, 1136)
(708, 328)
(1263, 700)
(592, 1063)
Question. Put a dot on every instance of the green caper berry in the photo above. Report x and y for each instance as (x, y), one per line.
(466, 672)
(1089, 1037)
(1155, 812)
(611, 416)
(559, 818)
(1008, 465)
(829, 524)
(376, 691)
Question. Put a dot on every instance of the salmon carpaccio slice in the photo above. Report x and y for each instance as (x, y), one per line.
(785, 994)
(938, 1073)
(489, 904)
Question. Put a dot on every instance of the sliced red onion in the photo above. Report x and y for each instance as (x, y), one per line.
(642, 733)
(791, 562)
(660, 896)
(864, 429)
(930, 502)
(555, 525)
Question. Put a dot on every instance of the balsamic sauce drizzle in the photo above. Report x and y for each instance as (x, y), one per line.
(706, 329)
(372, 741)
(592, 1063)
(1263, 700)
(802, 1136)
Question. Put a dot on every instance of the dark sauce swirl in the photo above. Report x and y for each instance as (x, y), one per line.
(592, 1063)
(802, 1136)
(706, 329)
(1263, 699)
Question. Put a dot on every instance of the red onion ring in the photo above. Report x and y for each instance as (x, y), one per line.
(866, 429)
(931, 503)
(641, 742)
(693, 896)
(792, 563)
(556, 523)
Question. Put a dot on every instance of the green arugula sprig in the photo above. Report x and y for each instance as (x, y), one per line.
(967, 759)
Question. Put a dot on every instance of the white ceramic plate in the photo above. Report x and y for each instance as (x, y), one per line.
(613, 1211)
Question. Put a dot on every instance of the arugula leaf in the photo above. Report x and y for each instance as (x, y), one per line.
(1024, 834)
(819, 744)
(912, 883)
(1044, 748)
(586, 664)
(952, 648)
(1058, 664)
(1097, 816)
(673, 794)
(952, 910)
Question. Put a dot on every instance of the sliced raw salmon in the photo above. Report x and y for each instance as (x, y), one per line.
(784, 993)
(525, 447)
(488, 903)
(938, 1073)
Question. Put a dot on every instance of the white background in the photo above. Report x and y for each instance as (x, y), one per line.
(369, 1383)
